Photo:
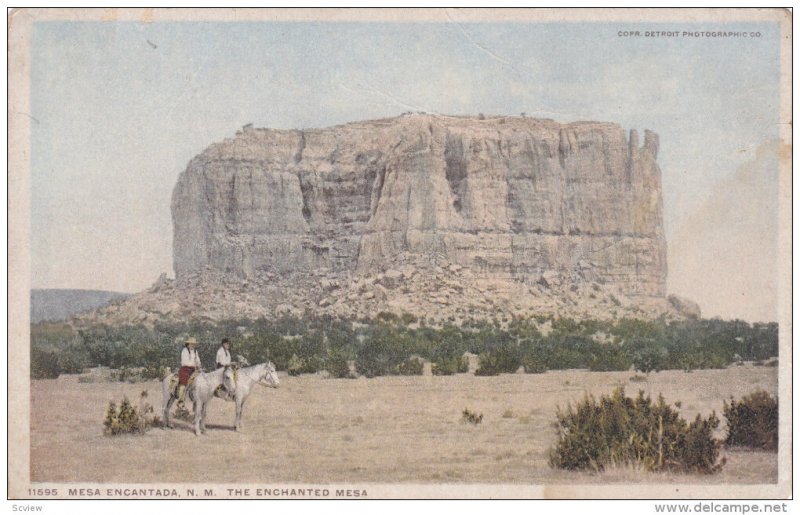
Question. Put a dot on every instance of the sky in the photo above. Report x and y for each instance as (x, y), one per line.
(118, 110)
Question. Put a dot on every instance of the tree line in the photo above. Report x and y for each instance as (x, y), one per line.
(391, 344)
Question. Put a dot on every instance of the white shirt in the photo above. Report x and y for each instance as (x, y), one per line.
(190, 358)
(223, 357)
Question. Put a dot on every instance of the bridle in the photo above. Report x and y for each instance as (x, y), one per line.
(259, 381)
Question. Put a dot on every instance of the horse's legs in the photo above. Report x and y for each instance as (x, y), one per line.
(167, 421)
(198, 414)
(239, 409)
(166, 402)
(203, 418)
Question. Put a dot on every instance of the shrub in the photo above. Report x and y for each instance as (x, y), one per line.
(471, 417)
(565, 352)
(411, 367)
(309, 365)
(337, 364)
(386, 316)
(504, 358)
(449, 365)
(127, 418)
(381, 353)
(44, 364)
(408, 318)
(619, 430)
(294, 366)
(753, 421)
(609, 358)
(647, 356)
(534, 364)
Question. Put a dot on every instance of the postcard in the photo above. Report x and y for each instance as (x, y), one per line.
(400, 254)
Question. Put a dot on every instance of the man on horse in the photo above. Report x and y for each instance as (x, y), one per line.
(190, 363)
(224, 354)
(223, 360)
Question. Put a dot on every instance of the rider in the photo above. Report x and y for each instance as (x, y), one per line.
(223, 360)
(190, 362)
(224, 354)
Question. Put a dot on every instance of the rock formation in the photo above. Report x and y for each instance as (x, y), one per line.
(447, 217)
(511, 198)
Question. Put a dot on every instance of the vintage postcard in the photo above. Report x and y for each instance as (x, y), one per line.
(387, 253)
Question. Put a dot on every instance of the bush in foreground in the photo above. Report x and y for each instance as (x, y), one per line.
(753, 421)
(126, 418)
(618, 430)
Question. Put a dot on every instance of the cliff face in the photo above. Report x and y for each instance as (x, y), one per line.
(506, 198)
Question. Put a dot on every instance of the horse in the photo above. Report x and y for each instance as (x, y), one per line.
(200, 392)
(263, 374)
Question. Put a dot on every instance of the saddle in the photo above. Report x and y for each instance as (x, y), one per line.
(221, 392)
(173, 381)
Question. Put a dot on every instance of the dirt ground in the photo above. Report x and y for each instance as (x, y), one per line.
(389, 429)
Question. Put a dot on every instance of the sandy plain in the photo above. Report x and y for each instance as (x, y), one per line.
(382, 430)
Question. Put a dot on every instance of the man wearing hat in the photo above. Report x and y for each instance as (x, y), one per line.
(190, 362)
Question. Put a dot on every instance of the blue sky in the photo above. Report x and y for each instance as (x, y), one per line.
(120, 108)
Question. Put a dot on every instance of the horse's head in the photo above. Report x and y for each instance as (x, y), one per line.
(271, 375)
(229, 379)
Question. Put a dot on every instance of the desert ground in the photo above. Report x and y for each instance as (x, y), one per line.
(320, 430)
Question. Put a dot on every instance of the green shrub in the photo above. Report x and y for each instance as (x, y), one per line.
(309, 365)
(753, 421)
(337, 364)
(44, 364)
(504, 358)
(411, 367)
(618, 430)
(566, 350)
(647, 355)
(295, 365)
(127, 418)
(488, 365)
(534, 364)
(381, 352)
(609, 358)
(449, 365)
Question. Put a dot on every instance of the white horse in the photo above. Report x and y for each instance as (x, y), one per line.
(200, 392)
(263, 374)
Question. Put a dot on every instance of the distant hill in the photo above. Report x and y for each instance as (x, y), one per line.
(56, 304)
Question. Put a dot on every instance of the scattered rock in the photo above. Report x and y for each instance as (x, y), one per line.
(550, 278)
(685, 306)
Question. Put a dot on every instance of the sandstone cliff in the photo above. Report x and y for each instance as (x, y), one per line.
(450, 218)
(504, 197)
